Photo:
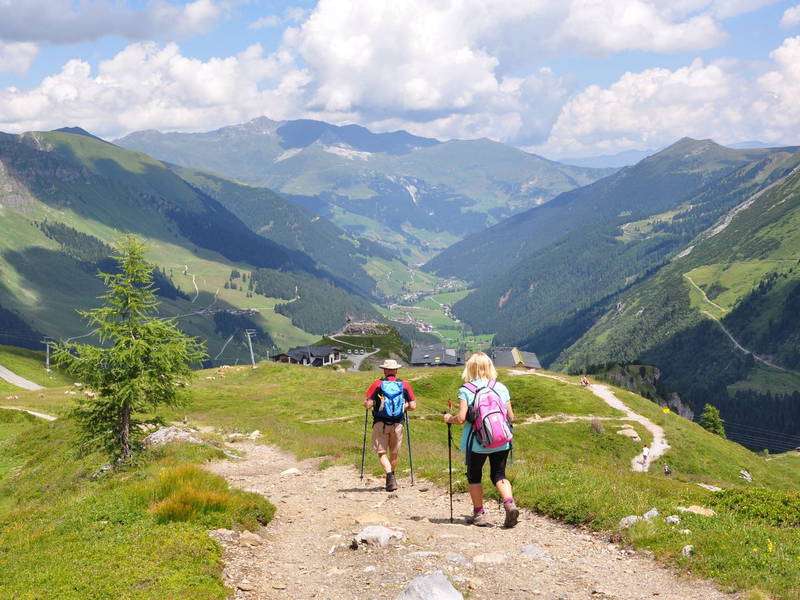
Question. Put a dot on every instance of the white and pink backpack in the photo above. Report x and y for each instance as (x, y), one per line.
(488, 416)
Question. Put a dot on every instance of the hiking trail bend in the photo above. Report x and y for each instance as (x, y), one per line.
(304, 553)
(659, 445)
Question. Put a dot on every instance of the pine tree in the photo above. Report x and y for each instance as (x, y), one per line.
(712, 421)
(140, 363)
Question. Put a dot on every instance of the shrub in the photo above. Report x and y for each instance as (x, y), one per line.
(774, 507)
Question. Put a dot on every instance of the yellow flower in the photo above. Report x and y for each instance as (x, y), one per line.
(770, 547)
(666, 410)
(755, 549)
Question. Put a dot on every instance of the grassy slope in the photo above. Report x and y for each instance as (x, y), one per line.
(66, 535)
(31, 268)
(30, 365)
(563, 470)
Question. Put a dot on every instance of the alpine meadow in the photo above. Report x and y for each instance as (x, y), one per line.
(399, 300)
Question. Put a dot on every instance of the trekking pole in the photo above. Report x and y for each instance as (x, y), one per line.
(450, 459)
(364, 443)
(410, 460)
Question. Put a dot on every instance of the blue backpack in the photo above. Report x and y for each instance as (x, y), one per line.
(393, 403)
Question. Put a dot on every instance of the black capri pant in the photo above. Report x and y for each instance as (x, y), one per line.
(497, 466)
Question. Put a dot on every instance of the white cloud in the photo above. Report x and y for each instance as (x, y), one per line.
(598, 26)
(149, 86)
(17, 56)
(439, 68)
(791, 17)
(264, 22)
(656, 106)
(45, 21)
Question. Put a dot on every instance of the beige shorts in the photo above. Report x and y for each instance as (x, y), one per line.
(387, 438)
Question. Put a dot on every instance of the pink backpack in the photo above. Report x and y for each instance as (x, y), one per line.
(488, 416)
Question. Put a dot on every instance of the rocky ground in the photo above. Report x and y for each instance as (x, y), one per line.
(305, 552)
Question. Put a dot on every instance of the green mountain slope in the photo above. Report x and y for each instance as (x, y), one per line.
(411, 194)
(658, 184)
(292, 226)
(721, 321)
(66, 196)
(550, 298)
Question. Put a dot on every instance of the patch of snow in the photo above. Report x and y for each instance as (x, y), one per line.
(347, 153)
(412, 191)
(288, 154)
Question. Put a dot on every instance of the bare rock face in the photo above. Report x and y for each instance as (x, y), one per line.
(431, 587)
(168, 435)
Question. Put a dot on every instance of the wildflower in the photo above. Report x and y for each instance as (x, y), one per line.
(666, 410)
(770, 547)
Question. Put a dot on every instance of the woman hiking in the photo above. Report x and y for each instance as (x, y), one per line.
(480, 377)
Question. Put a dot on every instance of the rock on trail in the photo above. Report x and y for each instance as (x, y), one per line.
(309, 550)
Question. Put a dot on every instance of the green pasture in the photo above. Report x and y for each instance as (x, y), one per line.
(726, 283)
(578, 472)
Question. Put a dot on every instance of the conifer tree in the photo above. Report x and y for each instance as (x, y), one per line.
(140, 363)
(711, 420)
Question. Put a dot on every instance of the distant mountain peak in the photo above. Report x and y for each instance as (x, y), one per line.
(79, 131)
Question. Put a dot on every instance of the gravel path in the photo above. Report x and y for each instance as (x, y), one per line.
(304, 552)
(18, 381)
(659, 444)
(31, 412)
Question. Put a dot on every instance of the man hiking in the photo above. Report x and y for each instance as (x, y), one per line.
(389, 398)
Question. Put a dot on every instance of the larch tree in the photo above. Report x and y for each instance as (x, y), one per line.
(141, 360)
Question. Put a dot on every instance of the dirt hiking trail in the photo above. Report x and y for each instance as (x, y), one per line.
(304, 552)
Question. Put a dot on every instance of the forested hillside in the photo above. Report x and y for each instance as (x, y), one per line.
(549, 299)
(292, 226)
(68, 197)
(658, 184)
(739, 280)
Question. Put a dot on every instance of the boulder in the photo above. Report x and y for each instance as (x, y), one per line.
(673, 519)
(746, 476)
(687, 550)
(431, 587)
(248, 538)
(626, 522)
(378, 535)
(171, 434)
(650, 514)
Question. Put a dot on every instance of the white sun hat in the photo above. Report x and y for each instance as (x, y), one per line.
(390, 363)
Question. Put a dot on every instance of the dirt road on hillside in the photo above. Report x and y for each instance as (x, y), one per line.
(18, 381)
(304, 552)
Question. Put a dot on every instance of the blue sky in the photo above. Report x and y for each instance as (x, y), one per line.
(573, 78)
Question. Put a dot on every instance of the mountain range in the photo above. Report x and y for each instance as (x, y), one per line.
(413, 195)
(67, 196)
(606, 274)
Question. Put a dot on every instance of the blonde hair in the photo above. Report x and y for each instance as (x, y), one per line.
(479, 366)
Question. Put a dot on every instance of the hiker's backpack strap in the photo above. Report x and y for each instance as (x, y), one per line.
(491, 383)
(470, 387)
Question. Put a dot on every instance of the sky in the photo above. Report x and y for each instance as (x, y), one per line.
(562, 78)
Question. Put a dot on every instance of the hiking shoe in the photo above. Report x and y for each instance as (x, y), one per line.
(478, 519)
(512, 514)
(391, 482)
